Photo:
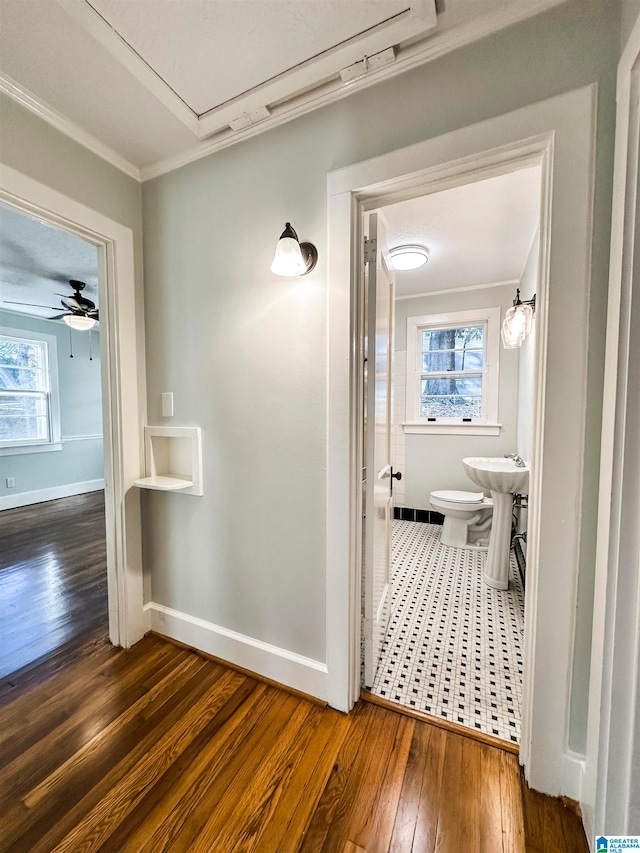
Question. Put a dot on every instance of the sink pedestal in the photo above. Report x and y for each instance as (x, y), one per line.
(496, 570)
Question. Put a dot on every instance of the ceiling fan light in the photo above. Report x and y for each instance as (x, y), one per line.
(81, 324)
(409, 257)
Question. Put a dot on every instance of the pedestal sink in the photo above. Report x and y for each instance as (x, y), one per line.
(503, 478)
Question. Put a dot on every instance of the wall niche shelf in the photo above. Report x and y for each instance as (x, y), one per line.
(173, 460)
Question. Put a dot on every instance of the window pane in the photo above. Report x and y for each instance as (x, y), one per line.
(438, 362)
(454, 397)
(23, 364)
(465, 337)
(23, 417)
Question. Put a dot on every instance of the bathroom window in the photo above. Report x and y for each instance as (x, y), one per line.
(452, 372)
(29, 406)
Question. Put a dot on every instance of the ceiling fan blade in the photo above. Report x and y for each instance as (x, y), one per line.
(59, 316)
(29, 304)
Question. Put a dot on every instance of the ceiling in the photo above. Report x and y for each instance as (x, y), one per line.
(476, 234)
(37, 261)
(151, 84)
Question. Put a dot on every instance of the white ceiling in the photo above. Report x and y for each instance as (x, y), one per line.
(476, 234)
(150, 84)
(37, 261)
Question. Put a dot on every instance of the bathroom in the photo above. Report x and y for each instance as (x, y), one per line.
(454, 636)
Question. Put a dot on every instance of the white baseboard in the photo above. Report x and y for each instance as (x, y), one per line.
(287, 668)
(572, 775)
(41, 495)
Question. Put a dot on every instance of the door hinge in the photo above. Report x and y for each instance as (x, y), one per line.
(370, 250)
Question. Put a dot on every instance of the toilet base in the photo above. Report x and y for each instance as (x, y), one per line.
(455, 532)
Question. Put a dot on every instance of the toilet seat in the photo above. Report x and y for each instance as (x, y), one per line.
(469, 499)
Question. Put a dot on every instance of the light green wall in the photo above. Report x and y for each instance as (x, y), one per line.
(244, 352)
(80, 415)
(435, 461)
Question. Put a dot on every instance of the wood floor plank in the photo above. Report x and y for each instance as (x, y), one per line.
(95, 828)
(50, 552)
(204, 759)
(80, 793)
(295, 808)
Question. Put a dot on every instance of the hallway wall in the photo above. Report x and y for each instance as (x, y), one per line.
(244, 351)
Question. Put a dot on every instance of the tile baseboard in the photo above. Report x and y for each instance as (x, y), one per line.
(426, 516)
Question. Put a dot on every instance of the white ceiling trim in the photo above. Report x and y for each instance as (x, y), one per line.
(93, 22)
(408, 57)
(420, 18)
(23, 96)
(508, 283)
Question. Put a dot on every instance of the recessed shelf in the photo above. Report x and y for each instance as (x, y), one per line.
(163, 484)
(173, 460)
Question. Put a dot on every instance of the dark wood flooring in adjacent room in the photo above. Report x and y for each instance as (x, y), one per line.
(157, 749)
(53, 583)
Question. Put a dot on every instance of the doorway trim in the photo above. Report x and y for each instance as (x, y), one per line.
(560, 133)
(613, 744)
(123, 381)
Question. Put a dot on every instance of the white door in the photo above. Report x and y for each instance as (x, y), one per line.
(377, 471)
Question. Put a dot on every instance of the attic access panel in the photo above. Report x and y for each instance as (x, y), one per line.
(225, 59)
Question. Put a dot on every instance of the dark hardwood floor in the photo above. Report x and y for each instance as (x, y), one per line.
(53, 582)
(158, 749)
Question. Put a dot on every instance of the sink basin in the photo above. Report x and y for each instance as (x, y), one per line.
(497, 474)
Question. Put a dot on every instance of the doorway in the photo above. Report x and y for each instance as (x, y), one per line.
(53, 574)
(122, 372)
(558, 134)
(450, 644)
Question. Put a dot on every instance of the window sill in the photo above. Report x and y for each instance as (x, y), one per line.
(18, 449)
(451, 429)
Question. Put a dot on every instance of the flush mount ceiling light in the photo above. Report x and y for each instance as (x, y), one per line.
(293, 257)
(518, 321)
(409, 257)
(82, 324)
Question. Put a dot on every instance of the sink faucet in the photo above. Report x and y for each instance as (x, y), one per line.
(520, 463)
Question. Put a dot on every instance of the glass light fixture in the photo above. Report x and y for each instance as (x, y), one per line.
(82, 324)
(409, 257)
(293, 257)
(518, 321)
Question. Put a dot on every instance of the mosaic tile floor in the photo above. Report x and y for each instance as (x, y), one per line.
(453, 645)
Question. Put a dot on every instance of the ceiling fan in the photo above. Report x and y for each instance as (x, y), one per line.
(81, 312)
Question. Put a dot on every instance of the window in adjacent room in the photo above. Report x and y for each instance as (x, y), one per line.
(452, 372)
(29, 404)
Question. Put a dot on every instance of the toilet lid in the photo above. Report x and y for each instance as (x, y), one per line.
(459, 497)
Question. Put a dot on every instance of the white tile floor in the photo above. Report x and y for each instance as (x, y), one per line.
(453, 645)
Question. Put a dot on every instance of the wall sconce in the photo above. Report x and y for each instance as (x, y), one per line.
(517, 322)
(293, 257)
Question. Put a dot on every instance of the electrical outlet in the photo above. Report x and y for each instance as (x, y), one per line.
(11, 482)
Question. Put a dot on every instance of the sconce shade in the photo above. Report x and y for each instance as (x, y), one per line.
(516, 325)
(292, 257)
(82, 324)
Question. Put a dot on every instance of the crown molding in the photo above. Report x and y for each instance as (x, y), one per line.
(407, 57)
(510, 282)
(27, 99)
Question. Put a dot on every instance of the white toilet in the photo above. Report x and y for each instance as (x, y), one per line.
(467, 517)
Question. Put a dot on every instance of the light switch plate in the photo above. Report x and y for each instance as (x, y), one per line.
(167, 404)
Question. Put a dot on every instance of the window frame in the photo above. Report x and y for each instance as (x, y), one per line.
(54, 441)
(488, 423)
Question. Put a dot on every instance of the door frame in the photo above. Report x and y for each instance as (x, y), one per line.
(558, 133)
(613, 744)
(123, 384)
